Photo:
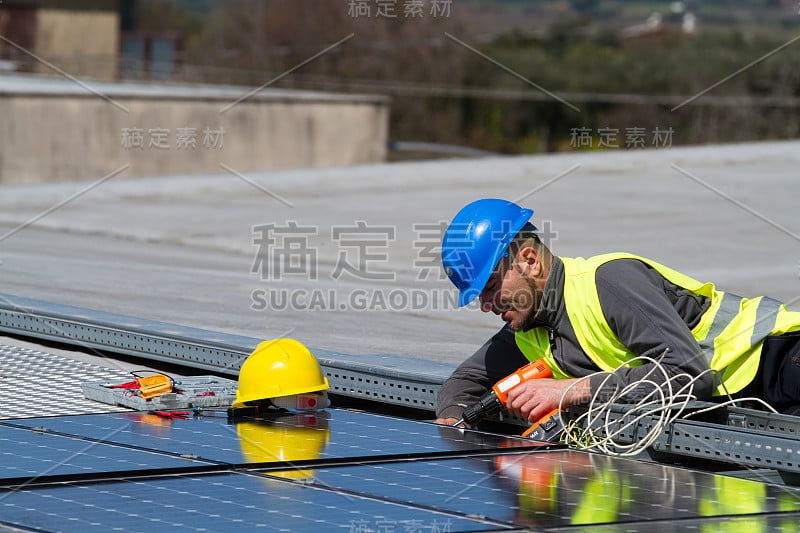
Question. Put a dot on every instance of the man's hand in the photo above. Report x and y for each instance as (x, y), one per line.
(533, 399)
(452, 422)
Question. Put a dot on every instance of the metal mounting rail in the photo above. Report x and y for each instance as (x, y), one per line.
(745, 437)
(388, 379)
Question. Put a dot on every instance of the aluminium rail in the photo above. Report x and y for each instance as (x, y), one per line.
(402, 381)
(745, 437)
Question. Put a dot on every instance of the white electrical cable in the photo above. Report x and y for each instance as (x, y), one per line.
(659, 398)
(731, 402)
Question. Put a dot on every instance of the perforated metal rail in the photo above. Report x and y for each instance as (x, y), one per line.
(744, 437)
(389, 379)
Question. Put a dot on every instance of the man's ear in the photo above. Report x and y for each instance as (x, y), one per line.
(529, 261)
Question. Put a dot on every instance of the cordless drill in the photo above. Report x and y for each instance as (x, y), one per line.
(547, 428)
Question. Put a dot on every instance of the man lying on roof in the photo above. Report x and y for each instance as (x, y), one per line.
(587, 315)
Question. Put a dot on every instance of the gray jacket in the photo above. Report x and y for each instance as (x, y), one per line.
(646, 312)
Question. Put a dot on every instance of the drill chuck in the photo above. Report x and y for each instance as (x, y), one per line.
(488, 405)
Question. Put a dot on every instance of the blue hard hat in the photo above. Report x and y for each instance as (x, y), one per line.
(476, 240)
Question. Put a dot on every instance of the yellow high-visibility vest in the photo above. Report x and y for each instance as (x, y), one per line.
(730, 334)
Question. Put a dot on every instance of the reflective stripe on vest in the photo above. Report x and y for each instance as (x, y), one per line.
(766, 318)
(729, 334)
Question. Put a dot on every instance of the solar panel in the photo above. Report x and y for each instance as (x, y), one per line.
(343, 469)
(560, 488)
(227, 502)
(326, 435)
(25, 453)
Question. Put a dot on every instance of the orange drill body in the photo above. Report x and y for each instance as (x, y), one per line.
(497, 398)
(535, 370)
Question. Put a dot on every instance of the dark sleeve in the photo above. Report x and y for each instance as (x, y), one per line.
(638, 306)
(496, 359)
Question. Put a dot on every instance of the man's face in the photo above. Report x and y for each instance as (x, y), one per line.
(511, 294)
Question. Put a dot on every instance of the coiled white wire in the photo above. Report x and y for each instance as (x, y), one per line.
(662, 401)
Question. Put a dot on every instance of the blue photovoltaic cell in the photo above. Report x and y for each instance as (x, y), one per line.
(330, 434)
(537, 488)
(228, 502)
(559, 488)
(26, 453)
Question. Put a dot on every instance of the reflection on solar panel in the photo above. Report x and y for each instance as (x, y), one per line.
(560, 487)
(347, 470)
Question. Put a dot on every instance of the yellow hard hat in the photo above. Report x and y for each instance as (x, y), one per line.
(287, 438)
(278, 367)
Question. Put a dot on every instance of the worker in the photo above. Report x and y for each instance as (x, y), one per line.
(282, 374)
(584, 316)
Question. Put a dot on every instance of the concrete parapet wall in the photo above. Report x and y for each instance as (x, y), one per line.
(46, 135)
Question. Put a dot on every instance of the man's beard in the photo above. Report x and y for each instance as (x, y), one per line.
(528, 315)
(528, 321)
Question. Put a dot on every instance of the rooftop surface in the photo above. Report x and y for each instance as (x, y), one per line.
(346, 259)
